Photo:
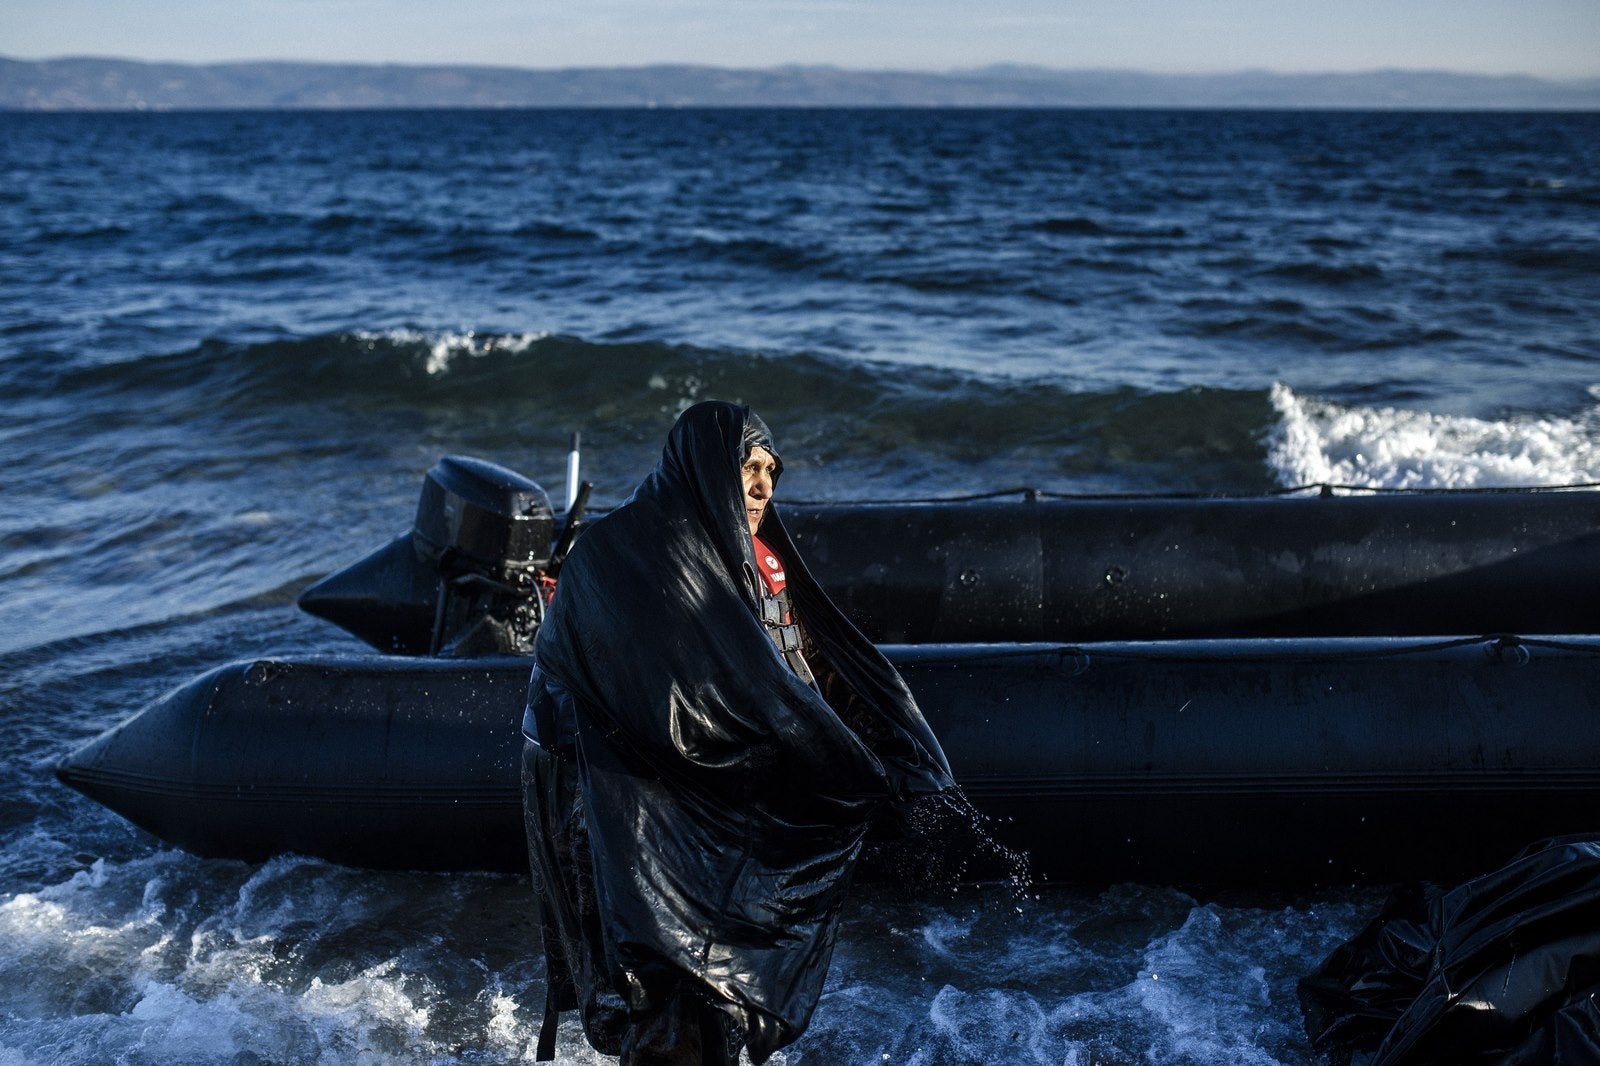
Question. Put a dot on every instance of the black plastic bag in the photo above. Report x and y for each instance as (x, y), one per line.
(1502, 969)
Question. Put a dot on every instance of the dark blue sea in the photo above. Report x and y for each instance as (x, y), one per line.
(232, 343)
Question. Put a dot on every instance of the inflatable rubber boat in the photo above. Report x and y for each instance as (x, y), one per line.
(1296, 689)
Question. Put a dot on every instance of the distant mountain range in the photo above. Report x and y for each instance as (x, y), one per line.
(90, 84)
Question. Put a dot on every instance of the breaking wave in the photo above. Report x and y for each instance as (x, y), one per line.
(1318, 441)
(909, 430)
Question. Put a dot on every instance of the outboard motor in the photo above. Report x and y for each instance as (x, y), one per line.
(466, 580)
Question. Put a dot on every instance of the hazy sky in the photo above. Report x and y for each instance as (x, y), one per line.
(1550, 38)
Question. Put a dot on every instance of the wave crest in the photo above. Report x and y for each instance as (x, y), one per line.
(1317, 441)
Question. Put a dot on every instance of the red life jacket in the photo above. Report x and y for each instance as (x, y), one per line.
(770, 567)
(775, 613)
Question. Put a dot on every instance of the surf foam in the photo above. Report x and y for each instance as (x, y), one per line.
(1320, 442)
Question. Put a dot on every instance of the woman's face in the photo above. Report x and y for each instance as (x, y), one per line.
(759, 471)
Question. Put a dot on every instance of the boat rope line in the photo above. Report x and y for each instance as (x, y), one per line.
(1029, 494)
(1550, 642)
(1507, 647)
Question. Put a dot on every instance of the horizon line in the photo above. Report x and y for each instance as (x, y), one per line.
(798, 65)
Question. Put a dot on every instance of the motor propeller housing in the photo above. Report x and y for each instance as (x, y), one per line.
(464, 580)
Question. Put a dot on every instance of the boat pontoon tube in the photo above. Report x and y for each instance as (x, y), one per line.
(1253, 762)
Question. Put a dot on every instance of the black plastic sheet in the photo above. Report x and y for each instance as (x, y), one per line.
(1504, 969)
(694, 808)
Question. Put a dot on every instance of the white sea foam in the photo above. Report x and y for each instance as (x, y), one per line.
(444, 349)
(171, 959)
(1133, 974)
(1320, 442)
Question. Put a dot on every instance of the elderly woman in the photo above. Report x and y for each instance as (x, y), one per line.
(708, 738)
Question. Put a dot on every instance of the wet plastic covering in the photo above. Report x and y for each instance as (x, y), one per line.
(694, 808)
(1502, 969)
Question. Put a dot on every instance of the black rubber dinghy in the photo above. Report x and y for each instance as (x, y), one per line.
(1250, 762)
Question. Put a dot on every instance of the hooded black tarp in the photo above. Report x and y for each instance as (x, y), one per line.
(695, 808)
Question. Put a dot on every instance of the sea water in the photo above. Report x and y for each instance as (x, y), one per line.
(231, 344)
